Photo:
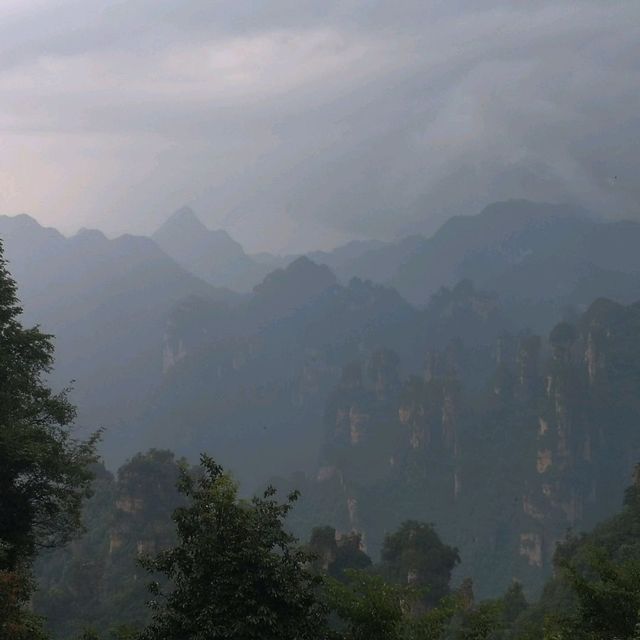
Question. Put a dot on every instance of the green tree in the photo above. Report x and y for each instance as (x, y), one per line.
(608, 599)
(235, 573)
(15, 623)
(483, 621)
(97, 582)
(514, 603)
(368, 607)
(333, 554)
(415, 555)
(44, 472)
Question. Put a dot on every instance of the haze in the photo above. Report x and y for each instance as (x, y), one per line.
(319, 319)
(299, 125)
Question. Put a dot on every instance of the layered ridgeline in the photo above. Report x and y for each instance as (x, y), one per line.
(269, 382)
(514, 248)
(106, 301)
(528, 253)
(251, 381)
(545, 445)
(125, 311)
(212, 254)
(260, 370)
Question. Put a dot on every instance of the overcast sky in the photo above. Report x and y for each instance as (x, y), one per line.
(297, 124)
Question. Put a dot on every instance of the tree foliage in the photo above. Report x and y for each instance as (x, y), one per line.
(16, 587)
(608, 599)
(43, 470)
(235, 572)
(415, 555)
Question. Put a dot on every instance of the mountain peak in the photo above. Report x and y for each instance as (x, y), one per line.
(92, 235)
(302, 275)
(24, 226)
(22, 220)
(183, 219)
(304, 269)
(212, 255)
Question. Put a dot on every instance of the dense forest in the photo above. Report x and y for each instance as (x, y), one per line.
(326, 457)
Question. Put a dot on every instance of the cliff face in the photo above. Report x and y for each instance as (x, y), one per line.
(547, 446)
(97, 579)
(145, 497)
(249, 381)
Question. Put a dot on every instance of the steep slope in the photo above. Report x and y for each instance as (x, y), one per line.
(540, 258)
(606, 555)
(106, 302)
(290, 289)
(546, 444)
(340, 259)
(250, 382)
(381, 263)
(97, 580)
(209, 254)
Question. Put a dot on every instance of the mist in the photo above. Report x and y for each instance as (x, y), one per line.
(299, 125)
(319, 319)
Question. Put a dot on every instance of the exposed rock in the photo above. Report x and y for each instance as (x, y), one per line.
(352, 508)
(357, 424)
(326, 473)
(544, 460)
(449, 418)
(129, 504)
(116, 542)
(530, 509)
(531, 548)
(543, 427)
(172, 354)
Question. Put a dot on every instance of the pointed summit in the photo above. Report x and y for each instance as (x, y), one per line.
(184, 220)
(210, 254)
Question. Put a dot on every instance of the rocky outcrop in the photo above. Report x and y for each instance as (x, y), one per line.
(545, 447)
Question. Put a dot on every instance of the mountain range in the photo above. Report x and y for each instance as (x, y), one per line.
(384, 379)
(513, 248)
(105, 301)
(117, 306)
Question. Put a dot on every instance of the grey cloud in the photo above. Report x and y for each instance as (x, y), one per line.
(299, 123)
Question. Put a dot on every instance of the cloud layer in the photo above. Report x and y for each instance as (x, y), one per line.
(298, 123)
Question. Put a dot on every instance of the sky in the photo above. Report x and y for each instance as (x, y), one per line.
(299, 124)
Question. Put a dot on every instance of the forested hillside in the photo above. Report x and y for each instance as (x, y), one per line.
(545, 445)
(487, 431)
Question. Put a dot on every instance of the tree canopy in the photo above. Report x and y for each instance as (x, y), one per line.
(235, 572)
(44, 471)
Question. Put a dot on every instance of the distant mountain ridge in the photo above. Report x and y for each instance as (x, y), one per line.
(106, 302)
(258, 371)
(406, 378)
(513, 248)
(111, 302)
(210, 254)
(542, 257)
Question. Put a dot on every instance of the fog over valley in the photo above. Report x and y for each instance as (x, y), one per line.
(319, 320)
